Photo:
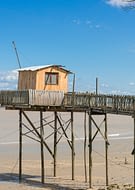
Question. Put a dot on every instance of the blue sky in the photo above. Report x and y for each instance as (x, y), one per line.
(93, 38)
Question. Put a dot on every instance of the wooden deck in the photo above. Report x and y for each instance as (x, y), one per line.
(49, 100)
(57, 101)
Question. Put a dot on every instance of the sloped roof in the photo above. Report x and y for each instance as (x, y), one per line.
(36, 68)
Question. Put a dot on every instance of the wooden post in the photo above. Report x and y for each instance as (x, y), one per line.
(42, 146)
(55, 142)
(20, 146)
(73, 151)
(85, 141)
(106, 150)
(96, 86)
(134, 150)
(73, 90)
(90, 151)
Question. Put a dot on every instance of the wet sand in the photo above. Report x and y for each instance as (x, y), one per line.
(120, 135)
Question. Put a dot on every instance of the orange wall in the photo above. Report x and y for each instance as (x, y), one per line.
(36, 80)
(62, 80)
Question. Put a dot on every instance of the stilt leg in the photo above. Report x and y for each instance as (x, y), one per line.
(106, 150)
(20, 146)
(134, 150)
(42, 146)
(85, 141)
(55, 142)
(90, 151)
(73, 152)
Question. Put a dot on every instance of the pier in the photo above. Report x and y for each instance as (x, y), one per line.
(57, 101)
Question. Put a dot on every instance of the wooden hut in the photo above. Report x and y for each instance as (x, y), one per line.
(47, 77)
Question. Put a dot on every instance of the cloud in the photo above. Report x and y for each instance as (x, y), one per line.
(88, 23)
(76, 21)
(8, 80)
(120, 3)
(105, 85)
(131, 84)
(119, 92)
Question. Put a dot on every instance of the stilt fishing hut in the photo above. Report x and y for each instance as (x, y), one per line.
(47, 77)
(45, 88)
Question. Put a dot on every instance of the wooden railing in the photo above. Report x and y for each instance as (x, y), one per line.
(109, 103)
(104, 102)
(31, 98)
(14, 97)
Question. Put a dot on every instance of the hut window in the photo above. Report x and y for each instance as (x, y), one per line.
(51, 78)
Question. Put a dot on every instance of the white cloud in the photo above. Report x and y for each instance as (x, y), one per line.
(88, 23)
(105, 85)
(9, 75)
(120, 3)
(97, 26)
(76, 21)
(131, 83)
(8, 80)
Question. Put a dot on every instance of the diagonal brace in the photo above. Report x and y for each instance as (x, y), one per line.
(69, 121)
(98, 130)
(64, 132)
(38, 134)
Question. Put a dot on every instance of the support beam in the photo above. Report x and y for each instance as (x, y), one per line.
(85, 142)
(38, 134)
(90, 150)
(55, 142)
(64, 131)
(106, 150)
(134, 150)
(42, 146)
(20, 146)
(72, 141)
(99, 131)
(96, 86)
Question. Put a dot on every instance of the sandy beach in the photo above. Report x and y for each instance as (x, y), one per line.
(120, 135)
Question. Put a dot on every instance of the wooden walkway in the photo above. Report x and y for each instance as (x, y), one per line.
(101, 103)
(89, 103)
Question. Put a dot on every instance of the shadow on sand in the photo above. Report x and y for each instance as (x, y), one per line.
(30, 180)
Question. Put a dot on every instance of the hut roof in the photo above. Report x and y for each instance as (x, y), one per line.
(36, 68)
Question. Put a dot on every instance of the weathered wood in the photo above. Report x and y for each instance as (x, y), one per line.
(20, 146)
(61, 134)
(42, 146)
(36, 78)
(96, 86)
(73, 148)
(55, 142)
(45, 98)
(106, 150)
(134, 150)
(98, 129)
(85, 142)
(64, 132)
(90, 150)
(38, 134)
(48, 100)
